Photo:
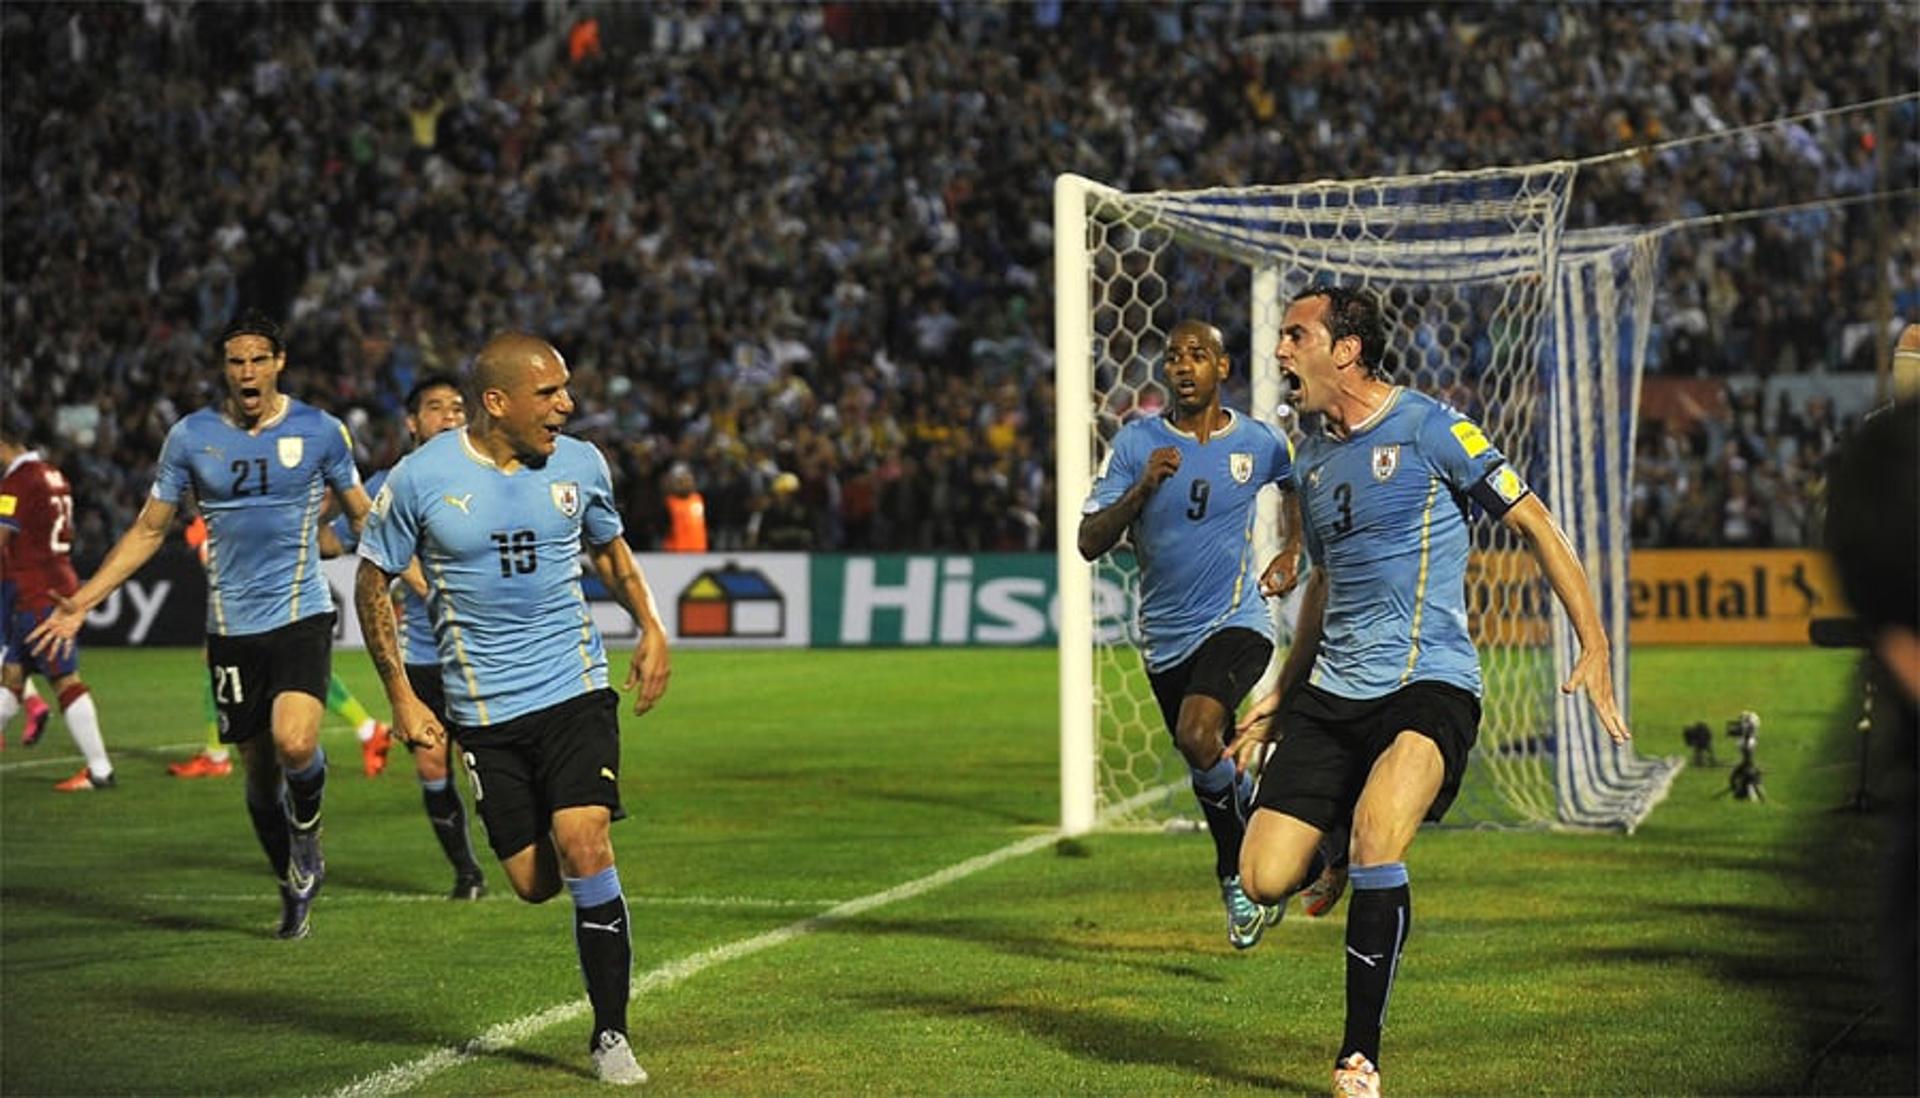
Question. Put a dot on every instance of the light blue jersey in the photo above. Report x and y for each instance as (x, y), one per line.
(1194, 538)
(1386, 516)
(501, 553)
(417, 646)
(261, 494)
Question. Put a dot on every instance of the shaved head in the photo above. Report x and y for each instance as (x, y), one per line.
(518, 401)
(506, 359)
(1215, 341)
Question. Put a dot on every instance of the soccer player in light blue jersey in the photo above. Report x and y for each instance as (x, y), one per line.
(434, 405)
(1185, 485)
(497, 513)
(1378, 702)
(259, 467)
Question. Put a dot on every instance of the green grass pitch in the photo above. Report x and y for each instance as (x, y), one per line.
(1717, 951)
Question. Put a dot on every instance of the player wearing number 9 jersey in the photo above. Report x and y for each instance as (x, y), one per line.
(36, 534)
(1185, 483)
(259, 466)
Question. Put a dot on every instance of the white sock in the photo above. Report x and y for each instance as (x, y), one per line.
(9, 707)
(84, 725)
(365, 731)
(29, 691)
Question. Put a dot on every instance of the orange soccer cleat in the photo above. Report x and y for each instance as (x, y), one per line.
(373, 750)
(85, 782)
(202, 765)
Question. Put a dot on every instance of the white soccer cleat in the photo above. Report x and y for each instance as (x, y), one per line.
(1356, 1077)
(613, 1060)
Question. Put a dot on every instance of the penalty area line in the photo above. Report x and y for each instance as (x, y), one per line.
(403, 1077)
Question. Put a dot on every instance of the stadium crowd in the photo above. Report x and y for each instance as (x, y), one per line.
(814, 239)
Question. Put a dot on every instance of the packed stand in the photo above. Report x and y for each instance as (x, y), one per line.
(812, 242)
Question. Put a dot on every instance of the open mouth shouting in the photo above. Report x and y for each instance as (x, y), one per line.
(1294, 387)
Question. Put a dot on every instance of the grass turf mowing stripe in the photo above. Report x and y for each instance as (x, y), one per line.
(403, 1077)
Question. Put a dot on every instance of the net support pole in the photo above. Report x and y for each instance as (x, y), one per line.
(1263, 373)
(1073, 474)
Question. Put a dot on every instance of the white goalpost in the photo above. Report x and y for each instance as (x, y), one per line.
(1538, 334)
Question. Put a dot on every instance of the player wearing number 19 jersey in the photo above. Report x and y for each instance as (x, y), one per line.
(497, 513)
(36, 535)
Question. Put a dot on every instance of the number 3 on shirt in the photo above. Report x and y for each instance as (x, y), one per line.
(1343, 496)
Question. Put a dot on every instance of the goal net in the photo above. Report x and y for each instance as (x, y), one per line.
(1490, 306)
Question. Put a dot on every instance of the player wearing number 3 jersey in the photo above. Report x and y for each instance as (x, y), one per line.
(1378, 703)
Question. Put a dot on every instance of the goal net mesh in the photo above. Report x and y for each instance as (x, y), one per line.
(1491, 307)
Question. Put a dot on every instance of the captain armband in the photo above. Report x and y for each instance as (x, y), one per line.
(1499, 490)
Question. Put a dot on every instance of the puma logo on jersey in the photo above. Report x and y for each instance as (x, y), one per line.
(462, 502)
(607, 773)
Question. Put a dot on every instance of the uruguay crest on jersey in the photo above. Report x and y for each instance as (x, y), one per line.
(566, 497)
(291, 449)
(1241, 466)
(1385, 460)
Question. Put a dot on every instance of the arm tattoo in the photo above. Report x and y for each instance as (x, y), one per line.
(375, 607)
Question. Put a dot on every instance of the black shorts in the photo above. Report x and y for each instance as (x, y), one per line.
(430, 688)
(250, 671)
(1224, 668)
(1328, 744)
(525, 769)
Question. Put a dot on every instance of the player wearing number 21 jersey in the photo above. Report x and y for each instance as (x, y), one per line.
(259, 466)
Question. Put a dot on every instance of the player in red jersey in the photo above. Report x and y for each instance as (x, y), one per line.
(36, 534)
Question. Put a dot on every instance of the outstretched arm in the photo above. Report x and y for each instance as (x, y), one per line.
(1593, 672)
(135, 548)
(650, 667)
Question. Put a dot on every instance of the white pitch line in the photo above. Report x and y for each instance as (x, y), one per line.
(402, 1077)
(169, 748)
(348, 897)
(76, 760)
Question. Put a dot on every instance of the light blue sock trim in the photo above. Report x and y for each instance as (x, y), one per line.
(436, 785)
(314, 768)
(597, 889)
(1390, 875)
(1215, 779)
